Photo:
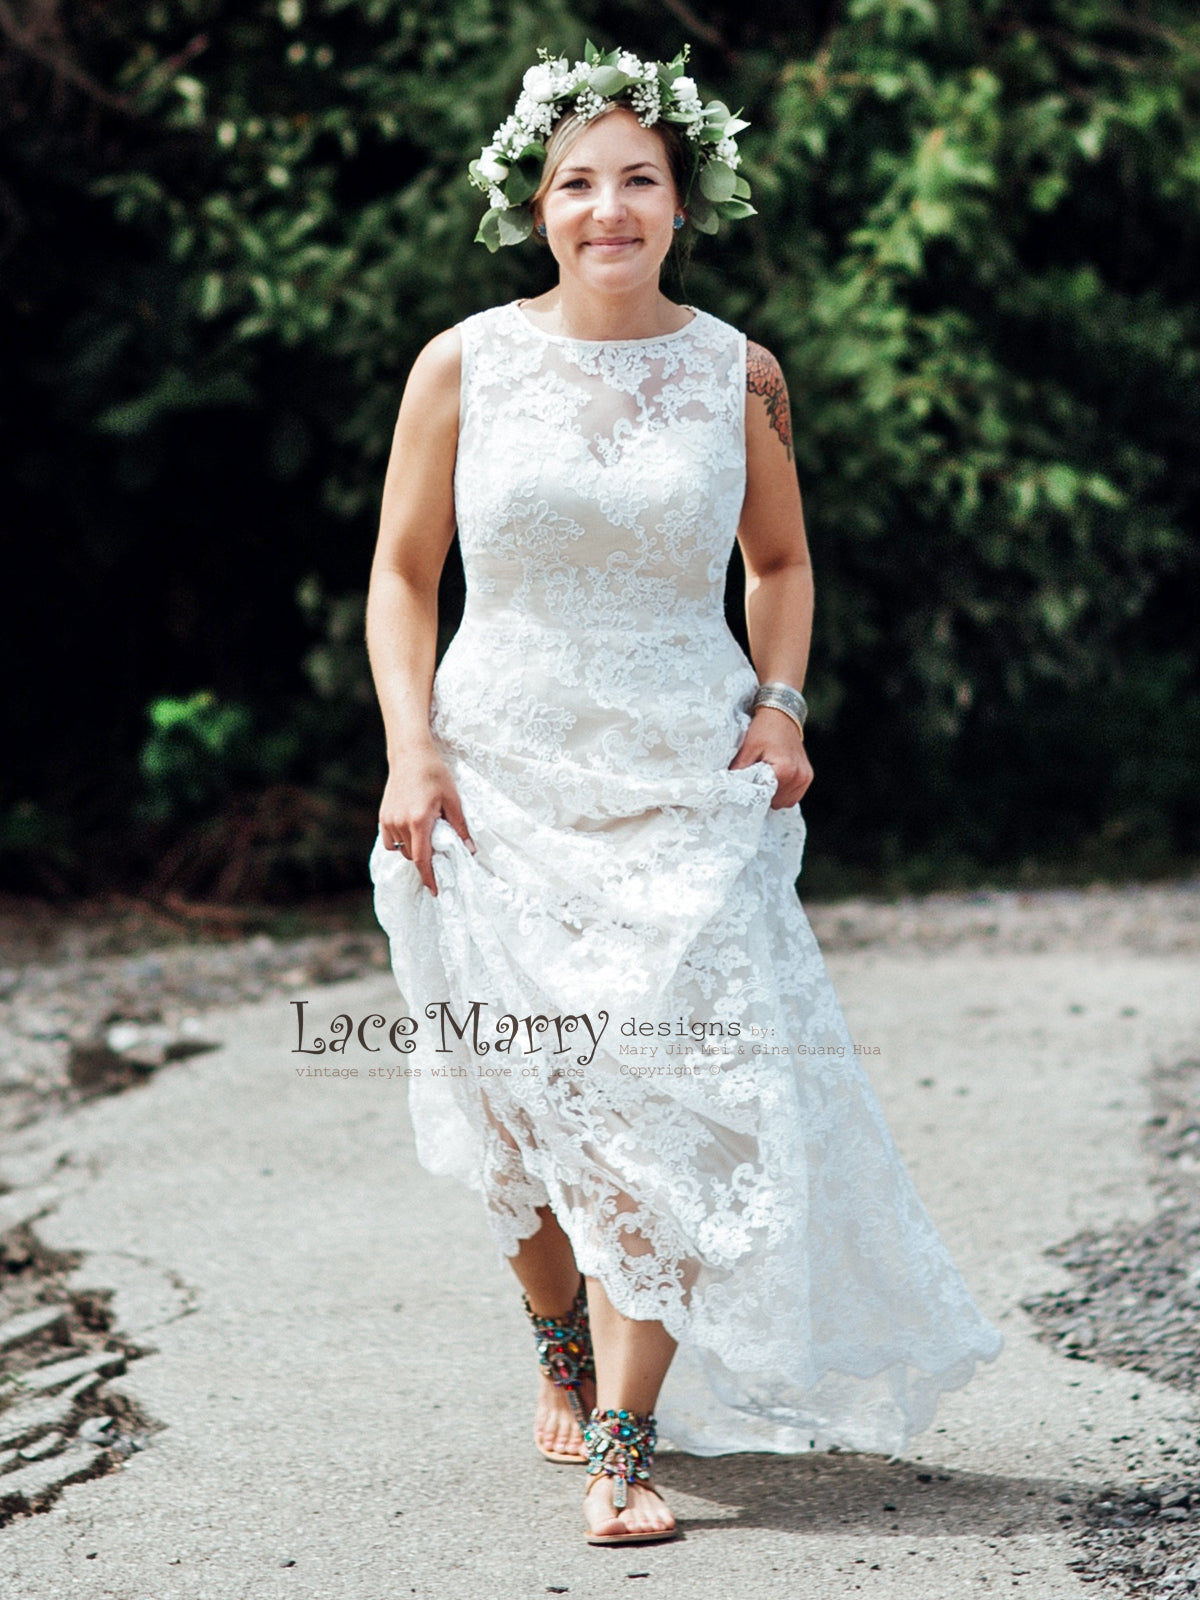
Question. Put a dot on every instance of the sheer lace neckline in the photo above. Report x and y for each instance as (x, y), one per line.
(514, 307)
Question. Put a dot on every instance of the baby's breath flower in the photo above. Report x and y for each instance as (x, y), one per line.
(509, 138)
(727, 151)
(645, 99)
(589, 105)
(535, 116)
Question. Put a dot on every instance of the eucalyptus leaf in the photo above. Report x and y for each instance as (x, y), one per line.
(488, 232)
(702, 216)
(519, 185)
(732, 209)
(608, 81)
(514, 226)
(718, 181)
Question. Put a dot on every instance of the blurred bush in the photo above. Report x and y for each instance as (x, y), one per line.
(230, 228)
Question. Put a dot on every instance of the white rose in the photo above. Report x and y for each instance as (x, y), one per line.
(491, 167)
(540, 83)
(684, 89)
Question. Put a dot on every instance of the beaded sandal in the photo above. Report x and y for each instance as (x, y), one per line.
(620, 1445)
(564, 1346)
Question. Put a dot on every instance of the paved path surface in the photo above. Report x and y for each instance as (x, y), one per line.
(346, 1377)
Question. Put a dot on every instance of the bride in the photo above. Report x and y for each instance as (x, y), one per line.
(592, 813)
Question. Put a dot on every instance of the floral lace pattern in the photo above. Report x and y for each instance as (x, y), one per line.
(742, 1188)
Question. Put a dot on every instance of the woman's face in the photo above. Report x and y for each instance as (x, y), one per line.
(610, 208)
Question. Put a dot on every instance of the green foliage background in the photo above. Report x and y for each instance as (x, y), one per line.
(228, 229)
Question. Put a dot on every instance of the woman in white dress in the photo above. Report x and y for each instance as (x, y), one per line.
(626, 1038)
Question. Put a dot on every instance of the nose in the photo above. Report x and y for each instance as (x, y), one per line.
(609, 204)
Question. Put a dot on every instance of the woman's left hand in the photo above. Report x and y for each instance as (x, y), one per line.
(773, 737)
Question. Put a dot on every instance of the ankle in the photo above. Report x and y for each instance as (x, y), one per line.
(620, 1445)
(549, 1304)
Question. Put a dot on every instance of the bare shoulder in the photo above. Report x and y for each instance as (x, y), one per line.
(438, 368)
(432, 391)
(765, 380)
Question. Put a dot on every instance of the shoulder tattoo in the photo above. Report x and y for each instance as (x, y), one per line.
(764, 377)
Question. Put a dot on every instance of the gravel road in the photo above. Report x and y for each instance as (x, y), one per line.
(248, 1348)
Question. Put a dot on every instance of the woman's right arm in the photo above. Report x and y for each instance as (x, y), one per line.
(416, 526)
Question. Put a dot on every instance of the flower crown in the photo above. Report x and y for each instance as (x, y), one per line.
(509, 169)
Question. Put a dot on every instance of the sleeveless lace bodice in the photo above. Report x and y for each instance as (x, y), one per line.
(588, 708)
(598, 486)
(598, 489)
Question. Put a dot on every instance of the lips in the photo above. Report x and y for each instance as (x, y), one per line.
(608, 244)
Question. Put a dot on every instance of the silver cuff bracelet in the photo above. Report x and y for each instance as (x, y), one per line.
(781, 697)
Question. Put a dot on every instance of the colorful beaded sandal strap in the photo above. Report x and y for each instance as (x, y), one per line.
(621, 1444)
(564, 1347)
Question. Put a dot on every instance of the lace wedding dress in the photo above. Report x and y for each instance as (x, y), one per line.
(716, 1155)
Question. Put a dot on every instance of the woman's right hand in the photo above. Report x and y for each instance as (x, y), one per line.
(417, 794)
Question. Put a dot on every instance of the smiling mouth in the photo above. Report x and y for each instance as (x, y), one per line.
(608, 244)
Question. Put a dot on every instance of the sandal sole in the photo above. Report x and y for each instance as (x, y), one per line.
(631, 1538)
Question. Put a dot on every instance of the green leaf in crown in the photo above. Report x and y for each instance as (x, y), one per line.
(717, 181)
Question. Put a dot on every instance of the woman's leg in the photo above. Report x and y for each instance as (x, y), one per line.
(545, 1266)
(631, 1362)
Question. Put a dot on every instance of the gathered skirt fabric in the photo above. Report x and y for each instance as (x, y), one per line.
(711, 1144)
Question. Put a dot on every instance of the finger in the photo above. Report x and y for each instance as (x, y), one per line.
(791, 793)
(453, 812)
(422, 856)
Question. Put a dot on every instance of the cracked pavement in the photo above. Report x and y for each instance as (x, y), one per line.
(341, 1372)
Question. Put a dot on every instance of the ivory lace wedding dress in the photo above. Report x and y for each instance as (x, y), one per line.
(744, 1191)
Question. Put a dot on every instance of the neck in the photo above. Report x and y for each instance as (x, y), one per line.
(582, 313)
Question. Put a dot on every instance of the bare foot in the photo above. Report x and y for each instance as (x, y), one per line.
(646, 1512)
(554, 1424)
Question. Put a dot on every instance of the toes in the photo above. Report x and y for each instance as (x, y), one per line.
(649, 1518)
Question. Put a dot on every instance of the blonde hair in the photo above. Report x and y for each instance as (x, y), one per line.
(568, 129)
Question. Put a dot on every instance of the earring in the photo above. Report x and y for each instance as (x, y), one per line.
(678, 223)
(541, 229)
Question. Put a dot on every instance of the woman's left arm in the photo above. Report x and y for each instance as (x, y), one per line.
(779, 581)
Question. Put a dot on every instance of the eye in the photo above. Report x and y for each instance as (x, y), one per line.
(571, 182)
(642, 177)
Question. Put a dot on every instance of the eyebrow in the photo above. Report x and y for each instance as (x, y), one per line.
(632, 167)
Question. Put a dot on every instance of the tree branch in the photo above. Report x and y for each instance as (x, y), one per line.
(29, 43)
(702, 30)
